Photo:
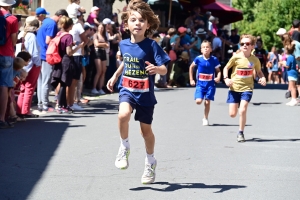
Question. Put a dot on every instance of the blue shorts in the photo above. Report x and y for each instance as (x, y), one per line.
(205, 93)
(6, 71)
(143, 114)
(236, 97)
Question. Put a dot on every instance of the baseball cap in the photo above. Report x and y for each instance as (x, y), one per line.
(181, 29)
(94, 8)
(281, 31)
(107, 21)
(40, 11)
(88, 25)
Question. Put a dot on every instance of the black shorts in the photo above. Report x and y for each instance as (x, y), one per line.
(77, 70)
(100, 54)
(143, 114)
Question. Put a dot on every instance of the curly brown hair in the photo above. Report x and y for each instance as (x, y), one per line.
(145, 11)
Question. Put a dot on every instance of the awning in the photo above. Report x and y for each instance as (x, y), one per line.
(188, 5)
(225, 13)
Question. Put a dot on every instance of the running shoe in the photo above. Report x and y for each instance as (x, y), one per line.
(292, 103)
(205, 122)
(76, 107)
(101, 92)
(240, 138)
(94, 91)
(122, 158)
(149, 173)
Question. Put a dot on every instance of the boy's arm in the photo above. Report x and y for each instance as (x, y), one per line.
(218, 77)
(119, 70)
(191, 71)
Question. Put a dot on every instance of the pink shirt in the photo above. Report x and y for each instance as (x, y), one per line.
(91, 18)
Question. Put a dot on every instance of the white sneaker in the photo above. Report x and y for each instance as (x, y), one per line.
(101, 92)
(292, 103)
(156, 88)
(94, 91)
(76, 107)
(205, 122)
(122, 158)
(149, 173)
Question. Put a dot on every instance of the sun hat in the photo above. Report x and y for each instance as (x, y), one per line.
(7, 2)
(184, 55)
(200, 31)
(281, 31)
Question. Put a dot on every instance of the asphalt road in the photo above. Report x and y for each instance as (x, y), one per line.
(62, 157)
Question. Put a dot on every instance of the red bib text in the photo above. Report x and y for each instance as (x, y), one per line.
(205, 77)
(135, 84)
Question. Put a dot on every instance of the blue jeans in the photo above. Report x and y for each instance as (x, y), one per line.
(6, 71)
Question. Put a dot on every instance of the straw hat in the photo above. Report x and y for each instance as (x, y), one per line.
(184, 55)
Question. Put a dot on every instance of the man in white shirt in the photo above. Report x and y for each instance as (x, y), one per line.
(79, 36)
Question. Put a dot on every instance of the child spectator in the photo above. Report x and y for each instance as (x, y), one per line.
(207, 66)
(92, 18)
(74, 8)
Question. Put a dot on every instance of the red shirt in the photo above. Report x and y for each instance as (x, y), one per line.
(12, 27)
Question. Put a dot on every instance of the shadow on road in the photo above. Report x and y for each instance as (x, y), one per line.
(171, 187)
(263, 103)
(272, 140)
(25, 152)
(228, 125)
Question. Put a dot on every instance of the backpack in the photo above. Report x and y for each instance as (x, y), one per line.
(52, 53)
(3, 38)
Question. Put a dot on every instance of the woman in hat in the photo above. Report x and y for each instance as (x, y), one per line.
(29, 44)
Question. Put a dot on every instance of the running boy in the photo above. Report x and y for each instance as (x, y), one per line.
(205, 89)
(142, 59)
(241, 83)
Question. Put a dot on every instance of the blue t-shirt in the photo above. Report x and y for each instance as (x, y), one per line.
(48, 28)
(185, 40)
(206, 70)
(291, 62)
(135, 81)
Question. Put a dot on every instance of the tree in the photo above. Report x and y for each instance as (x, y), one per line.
(264, 17)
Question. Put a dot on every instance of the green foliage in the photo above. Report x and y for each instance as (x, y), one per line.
(264, 17)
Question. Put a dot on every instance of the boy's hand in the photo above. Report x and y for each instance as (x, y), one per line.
(151, 69)
(192, 82)
(217, 80)
(110, 83)
(262, 81)
(228, 82)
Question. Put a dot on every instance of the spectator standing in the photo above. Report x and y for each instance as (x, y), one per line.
(189, 22)
(46, 32)
(79, 36)
(100, 43)
(41, 14)
(74, 9)
(33, 68)
(92, 18)
(6, 57)
(235, 39)
(296, 33)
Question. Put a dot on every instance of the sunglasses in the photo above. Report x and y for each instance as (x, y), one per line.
(246, 43)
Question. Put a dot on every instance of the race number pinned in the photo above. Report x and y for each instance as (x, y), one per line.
(205, 77)
(244, 73)
(136, 84)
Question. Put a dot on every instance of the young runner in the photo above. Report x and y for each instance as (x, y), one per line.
(241, 83)
(142, 59)
(205, 89)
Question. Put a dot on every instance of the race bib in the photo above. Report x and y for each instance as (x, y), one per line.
(205, 77)
(136, 84)
(244, 73)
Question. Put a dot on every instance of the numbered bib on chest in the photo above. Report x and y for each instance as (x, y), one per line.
(136, 84)
(205, 77)
(244, 73)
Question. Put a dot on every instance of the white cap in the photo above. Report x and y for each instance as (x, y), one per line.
(94, 8)
(7, 2)
(107, 21)
(281, 31)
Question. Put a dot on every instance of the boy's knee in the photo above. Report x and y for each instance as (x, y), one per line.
(198, 101)
(124, 116)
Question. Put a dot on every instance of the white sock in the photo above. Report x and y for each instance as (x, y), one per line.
(150, 158)
(125, 143)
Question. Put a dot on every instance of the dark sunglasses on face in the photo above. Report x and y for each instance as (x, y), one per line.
(246, 43)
